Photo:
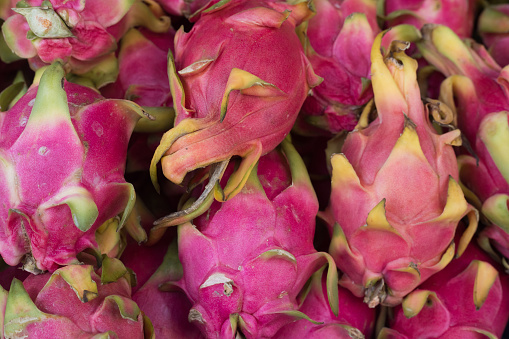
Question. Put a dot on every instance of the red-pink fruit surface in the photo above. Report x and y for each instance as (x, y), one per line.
(455, 14)
(73, 302)
(477, 91)
(468, 299)
(82, 35)
(245, 260)
(395, 202)
(62, 160)
(167, 309)
(340, 38)
(354, 320)
(238, 81)
(145, 83)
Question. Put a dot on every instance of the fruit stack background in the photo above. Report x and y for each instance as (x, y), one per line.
(254, 169)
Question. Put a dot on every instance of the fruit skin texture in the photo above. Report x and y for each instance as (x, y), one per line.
(88, 34)
(145, 83)
(477, 91)
(73, 302)
(355, 317)
(456, 14)
(468, 299)
(168, 309)
(237, 89)
(182, 7)
(340, 38)
(62, 159)
(395, 201)
(493, 26)
(246, 259)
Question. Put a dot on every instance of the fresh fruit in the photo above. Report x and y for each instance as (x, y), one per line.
(354, 320)
(477, 91)
(62, 159)
(75, 302)
(395, 201)
(80, 34)
(458, 15)
(246, 260)
(468, 299)
(340, 37)
(237, 89)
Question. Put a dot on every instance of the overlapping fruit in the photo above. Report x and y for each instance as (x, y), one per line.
(387, 218)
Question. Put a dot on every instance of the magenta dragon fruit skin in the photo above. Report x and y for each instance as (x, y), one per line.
(458, 15)
(62, 159)
(477, 91)
(167, 309)
(340, 38)
(75, 302)
(493, 26)
(468, 299)
(355, 318)
(383, 224)
(237, 90)
(82, 35)
(245, 260)
(183, 7)
(145, 83)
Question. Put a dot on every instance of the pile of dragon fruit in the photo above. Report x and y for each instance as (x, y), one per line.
(254, 169)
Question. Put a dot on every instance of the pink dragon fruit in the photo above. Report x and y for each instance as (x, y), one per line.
(340, 38)
(82, 35)
(75, 302)
(493, 26)
(477, 91)
(237, 90)
(183, 7)
(245, 260)
(475, 80)
(456, 14)
(145, 83)
(168, 310)
(355, 319)
(62, 158)
(468, 299)
(395, 202)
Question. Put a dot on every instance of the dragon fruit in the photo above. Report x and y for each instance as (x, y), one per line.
(395, 201)
(245, 260)
(340, 38)
(182, 7)
(468, 299)
(82, 35)
(75, 302)
(456, 14)
(477, 91)
(493, 26)
(237, 90)
(167, 309)
(475, 80)
(144, 83)
(62, 159)
(355, 319)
